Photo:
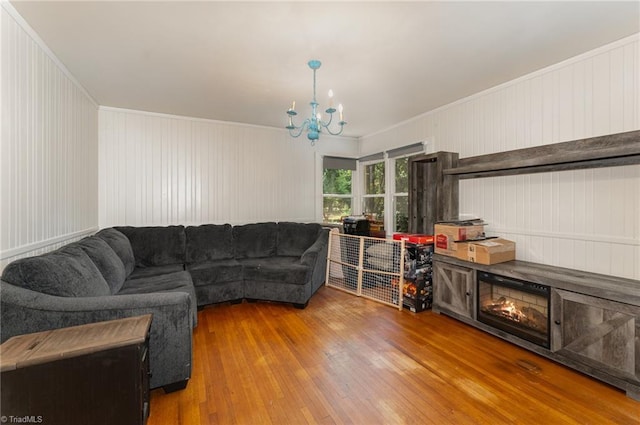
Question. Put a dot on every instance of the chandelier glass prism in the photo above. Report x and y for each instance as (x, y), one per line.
(314, 124)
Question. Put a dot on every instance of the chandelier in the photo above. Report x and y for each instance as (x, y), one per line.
(314, 124)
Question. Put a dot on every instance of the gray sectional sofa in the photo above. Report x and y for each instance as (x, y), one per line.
(167, 271)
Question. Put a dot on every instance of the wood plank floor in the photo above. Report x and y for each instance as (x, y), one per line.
(348, 360)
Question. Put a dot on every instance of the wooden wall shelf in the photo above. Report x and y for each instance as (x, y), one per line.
(604, 151)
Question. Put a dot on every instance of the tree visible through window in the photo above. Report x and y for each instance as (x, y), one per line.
(401, 195)
(373, 198)
(336, 189)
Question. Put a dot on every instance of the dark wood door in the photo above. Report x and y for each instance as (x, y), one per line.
(433, 196)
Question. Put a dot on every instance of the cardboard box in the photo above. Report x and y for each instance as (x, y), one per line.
(417, 294)
(417, 261)
(446, 235)
(490, 251)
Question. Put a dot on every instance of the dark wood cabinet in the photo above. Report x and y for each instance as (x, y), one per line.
(90, 374)
(453, 289)
(433, 195)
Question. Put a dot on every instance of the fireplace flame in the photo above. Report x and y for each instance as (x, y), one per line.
(522, 314)
(507, 309)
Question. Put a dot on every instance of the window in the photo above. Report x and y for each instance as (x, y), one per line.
(379, 189)
(336, 193)
(374, 185)
(399, 185)
(401, 195)
(337, 188)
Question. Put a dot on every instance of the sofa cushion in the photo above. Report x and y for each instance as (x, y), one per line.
(255, 240)
(121, 246)
(275, 269)
(67, 272)
(140, 272)
(156, 246)
(177, 281)
(215, 272)
(209, 242)
(169, 282)
(295, 238)
(105, 258)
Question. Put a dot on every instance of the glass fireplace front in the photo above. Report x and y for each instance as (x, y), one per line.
(514, 306)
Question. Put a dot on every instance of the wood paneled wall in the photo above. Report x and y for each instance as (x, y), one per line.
(48, 147)
(160, 169)
(587, 219)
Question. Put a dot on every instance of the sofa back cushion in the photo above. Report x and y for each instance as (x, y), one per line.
(67, 272)
(156, 246)
(209, 242)
(105, 258)
(295, 238)
(255, 240)
(121, 246)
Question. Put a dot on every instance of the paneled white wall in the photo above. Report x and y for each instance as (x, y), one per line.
(588, 219)
(59, 180)
(48, 147)
(159, 169)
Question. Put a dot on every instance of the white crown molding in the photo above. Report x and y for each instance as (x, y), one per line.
(205, 120)
(591, 53)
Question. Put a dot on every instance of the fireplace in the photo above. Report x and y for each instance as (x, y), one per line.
(514, 306)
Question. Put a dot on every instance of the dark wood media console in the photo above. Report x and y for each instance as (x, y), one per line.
(90, 374)
(594, 318)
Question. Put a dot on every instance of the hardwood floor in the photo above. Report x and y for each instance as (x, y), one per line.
(347, 360)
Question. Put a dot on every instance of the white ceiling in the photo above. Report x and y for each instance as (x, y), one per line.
(245, 62)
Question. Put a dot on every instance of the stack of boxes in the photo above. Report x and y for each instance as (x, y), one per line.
(418, 289)
(466, 241)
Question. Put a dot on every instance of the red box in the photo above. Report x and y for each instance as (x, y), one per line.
(421, 239)
(414, 238)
